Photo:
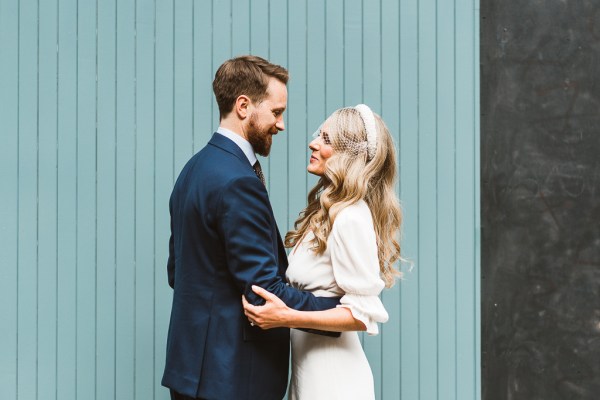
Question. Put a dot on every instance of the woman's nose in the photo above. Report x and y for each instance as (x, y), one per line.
(314, 145)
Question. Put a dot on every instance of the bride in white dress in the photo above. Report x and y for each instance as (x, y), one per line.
(344, 244)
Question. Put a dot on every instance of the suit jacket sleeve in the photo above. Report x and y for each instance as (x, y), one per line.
(246, 224)
(171, 260)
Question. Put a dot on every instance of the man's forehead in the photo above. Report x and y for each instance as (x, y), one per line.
(277, 94)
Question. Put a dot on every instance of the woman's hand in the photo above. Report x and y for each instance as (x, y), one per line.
(273, 314)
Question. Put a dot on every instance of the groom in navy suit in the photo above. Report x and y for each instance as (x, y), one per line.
(223, 240)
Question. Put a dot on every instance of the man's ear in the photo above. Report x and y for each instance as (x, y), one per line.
(242, 103)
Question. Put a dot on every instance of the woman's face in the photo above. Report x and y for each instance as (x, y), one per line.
(321, 152)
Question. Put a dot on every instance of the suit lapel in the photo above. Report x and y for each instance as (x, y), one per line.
(229, 146)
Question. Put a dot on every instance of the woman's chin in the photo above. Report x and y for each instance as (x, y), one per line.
(313, 171)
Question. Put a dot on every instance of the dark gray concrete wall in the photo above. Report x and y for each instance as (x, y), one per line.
(540, 173)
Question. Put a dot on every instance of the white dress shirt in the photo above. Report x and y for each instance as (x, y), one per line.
(242, 143)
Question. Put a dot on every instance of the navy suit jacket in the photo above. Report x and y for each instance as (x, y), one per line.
(223, 240)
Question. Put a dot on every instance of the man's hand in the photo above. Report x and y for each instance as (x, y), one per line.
(273, 314)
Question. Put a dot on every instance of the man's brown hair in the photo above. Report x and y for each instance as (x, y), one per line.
(245, 75)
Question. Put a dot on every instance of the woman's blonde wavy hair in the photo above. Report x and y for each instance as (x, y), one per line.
(350, 177)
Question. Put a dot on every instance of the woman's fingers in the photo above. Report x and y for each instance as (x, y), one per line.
(249, 309)
(265, 294)
(267, 315)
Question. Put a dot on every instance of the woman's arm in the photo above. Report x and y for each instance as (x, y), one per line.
(275, 314)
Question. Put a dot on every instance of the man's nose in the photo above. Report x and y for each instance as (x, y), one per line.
(280, 125)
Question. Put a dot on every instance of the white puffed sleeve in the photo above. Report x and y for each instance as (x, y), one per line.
(355, 265)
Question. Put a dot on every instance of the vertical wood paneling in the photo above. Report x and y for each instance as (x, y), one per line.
(106, 201)
(391, 333)
(446, 201)
(164, 178)
(353, 55)
(9, 176)
(296, 134)
(334, 55)
(240, 35)
(474, 263)
(183, 82)
(221, 44)
(409, 195)
(125, 201)
(66, 363)
(276, 17)
(47, 218)
(27, 194)
(144, 202)
(86, 199)
(204, 125)
(316, 111)
(104, 102)
(467, 194)
(427, 256)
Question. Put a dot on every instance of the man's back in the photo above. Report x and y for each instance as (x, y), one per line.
(212, 351)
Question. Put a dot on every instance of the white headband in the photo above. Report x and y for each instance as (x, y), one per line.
(369, 121)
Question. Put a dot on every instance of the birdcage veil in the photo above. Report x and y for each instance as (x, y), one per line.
(353, 144)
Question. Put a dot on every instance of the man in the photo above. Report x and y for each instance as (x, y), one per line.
(223, 240)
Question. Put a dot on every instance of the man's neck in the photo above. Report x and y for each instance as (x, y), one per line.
(234, 126)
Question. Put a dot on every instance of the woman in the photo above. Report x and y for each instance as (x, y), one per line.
(344, 244)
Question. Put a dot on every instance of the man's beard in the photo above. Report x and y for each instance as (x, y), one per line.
(259, 137)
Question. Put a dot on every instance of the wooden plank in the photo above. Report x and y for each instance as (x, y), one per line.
(67, 202)
(467, 287)
(164, 178)
(27, 210)
(278, 54)
(353, 52)
(240, 28)
(144, 202)
(391, 332)
(446, 196)
(9, 176)
(221, 40)
(293, 178)
(334, 56)
(259, 28)
(316, 112)
(183, 87)
(86, 201)
(428, 213)
(125, 202)
(409, 193)
(204, 124)
(106, 201)
(47, 203)
(476, 261)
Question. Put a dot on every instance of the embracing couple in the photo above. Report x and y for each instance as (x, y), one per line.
(234, 294)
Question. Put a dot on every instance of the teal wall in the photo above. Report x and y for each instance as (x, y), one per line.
(101, 103)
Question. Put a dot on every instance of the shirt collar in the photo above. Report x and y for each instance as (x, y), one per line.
(242, 143)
